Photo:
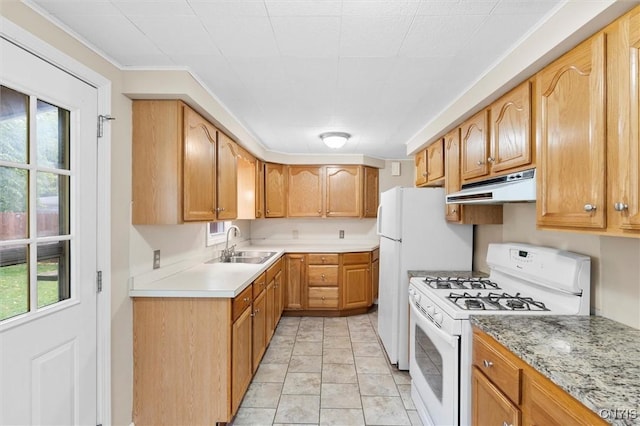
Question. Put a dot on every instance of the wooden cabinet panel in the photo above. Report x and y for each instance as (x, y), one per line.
(296, 281)
(375, 278)
(474, 145)
(371, 192)
(355, 258)
(435, 162)
(497, 366)
(259, 342)
(227, 199)
(270, 309)
(241, 302)
(458, 213)
(571, 124)
(489, 405)
(259, 285)
(305, 191)
(259, 189)
(322, 298)
(275, 192)
(343, 191)
(241, 366)
(511, 130)
(279, 296)
(323, 258)
(356, 286)
(247, 184)
(322, 275)
(421, 167)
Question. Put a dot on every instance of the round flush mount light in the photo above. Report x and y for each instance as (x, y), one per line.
(335, 140)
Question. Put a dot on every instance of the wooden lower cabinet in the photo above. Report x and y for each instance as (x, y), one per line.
(322, 298)
(295, 267)
(259, 315)
(375, 273)
(490, 406)
(356, 280)
(241, 366)
(507, 390)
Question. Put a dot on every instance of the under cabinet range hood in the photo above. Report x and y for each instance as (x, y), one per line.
(511, 188)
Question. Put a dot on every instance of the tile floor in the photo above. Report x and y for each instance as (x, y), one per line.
(327, 371)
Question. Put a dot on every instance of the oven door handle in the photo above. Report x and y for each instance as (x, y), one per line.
(451, 340)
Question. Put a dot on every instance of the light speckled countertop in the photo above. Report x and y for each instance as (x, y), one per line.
(594, 359)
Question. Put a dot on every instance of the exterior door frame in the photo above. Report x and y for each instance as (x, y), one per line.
(43, 50)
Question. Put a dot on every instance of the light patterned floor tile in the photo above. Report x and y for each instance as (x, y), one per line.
(400, 376)
(340, 395)
(337, 356)
(277, 355)
(384, 410)
(414, 417)
(271, 373)
(341, 416)
(262, 395)
(302, 384)
(305, 364)
(405, 394)
(370, 348)
(377, 385)
(307, 348)
(339, 373)
(371, 365)
(254, 416)
(298, 409)
(336, 342)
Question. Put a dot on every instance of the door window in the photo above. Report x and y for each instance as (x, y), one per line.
(35, 181)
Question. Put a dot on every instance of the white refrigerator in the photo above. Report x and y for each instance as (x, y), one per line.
(414, 235)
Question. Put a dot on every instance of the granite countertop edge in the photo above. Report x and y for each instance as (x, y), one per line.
(583, 355)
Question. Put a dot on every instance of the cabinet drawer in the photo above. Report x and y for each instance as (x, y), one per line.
(322, 297)
(322, 259)
(322, 275)
(497, 366)
(259, 285)
(242, 301)
(274, 269)
(355, 258)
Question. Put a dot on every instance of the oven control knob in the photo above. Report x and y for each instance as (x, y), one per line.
(430, 310)
(438, 318)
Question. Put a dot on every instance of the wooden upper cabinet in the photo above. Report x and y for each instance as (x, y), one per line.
(343, 191)
(474, 145)
(452, 176)
(305, 191)
(624, 159)
(275, 193)
(371, 191)
(228, 152)
(510, 130)
(571, 123)
(421, 167)
(174, 163)
(259, 189)
(435, 162)
(247, 184)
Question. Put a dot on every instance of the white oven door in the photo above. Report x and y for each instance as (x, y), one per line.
(434, 368)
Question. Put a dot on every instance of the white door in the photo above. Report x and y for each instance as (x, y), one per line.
(48, 163)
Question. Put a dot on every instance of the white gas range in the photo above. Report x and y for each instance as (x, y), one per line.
(523, 280)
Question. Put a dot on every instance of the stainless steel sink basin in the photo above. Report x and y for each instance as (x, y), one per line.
(252, 256)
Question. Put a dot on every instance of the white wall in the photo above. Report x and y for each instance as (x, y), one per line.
(615, 271)
(406, 178)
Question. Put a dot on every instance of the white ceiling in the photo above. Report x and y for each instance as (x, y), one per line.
(292, 69)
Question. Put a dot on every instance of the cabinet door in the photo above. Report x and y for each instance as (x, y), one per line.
(199, 168)
(259, 329)
(275, 190)
(356, 286)
(241, 366)
(344, 191)
(452, 176)
(571, 114)
(270, 309)
(435, 162)
(227, 178)
(489, 406)
(259, 189)
(305, 191)
(421, 167)
(296, 281)
(474, 145)
(279, 298)
(371, 192)
(625, 169)
(247, 189)
(511, 130)
(375, 278)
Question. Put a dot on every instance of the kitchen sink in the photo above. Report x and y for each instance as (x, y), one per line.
(255, 257)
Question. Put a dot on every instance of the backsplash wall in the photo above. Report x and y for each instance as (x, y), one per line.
(615, 261)
(313, 229)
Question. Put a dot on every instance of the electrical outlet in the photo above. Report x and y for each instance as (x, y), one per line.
(342, 233)
(156, 259)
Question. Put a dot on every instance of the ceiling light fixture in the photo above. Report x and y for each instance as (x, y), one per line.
(335, 140)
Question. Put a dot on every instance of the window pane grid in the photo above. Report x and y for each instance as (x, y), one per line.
(34, 144)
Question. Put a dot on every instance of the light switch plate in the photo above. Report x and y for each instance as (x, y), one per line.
(156, 259)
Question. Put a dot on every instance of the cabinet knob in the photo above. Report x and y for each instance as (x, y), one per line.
(253, 314)
(322, 297)
(319, 211)
(620, 207)
(220, 209)
(424, 174)
(480, 162)
(491, 159)
(454, 211)
(506, 424)
(322, 276)
(487, 363)
(246, 299)
(268, 211)
(328, 211)
(589, 207)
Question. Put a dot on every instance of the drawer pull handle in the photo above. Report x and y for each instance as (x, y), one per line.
(246, 299)
(506, 424)
(589, 208)
(487, 363)
(322, 276)
(620, 207)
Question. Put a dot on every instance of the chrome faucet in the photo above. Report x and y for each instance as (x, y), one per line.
(228, 252)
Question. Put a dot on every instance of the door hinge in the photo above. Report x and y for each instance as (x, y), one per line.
(101, 120)
(99, 284)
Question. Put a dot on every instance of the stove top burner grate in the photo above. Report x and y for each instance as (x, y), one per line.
(463, 283)
(496, 301)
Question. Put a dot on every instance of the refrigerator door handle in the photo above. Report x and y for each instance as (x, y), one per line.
(379, 221)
